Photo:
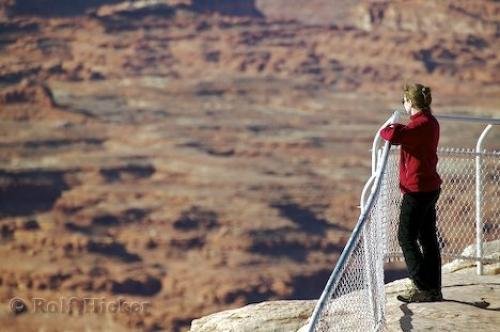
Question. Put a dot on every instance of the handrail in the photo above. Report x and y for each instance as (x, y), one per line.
(377, 139)
(479, 197)
(483, 120)
(364, 191)
(356, 233)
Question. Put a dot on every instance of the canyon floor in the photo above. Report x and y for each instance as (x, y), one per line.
(201, 160)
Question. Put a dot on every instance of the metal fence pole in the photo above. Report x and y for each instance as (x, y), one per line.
(368, 249)
(479, 201)
(368, 260)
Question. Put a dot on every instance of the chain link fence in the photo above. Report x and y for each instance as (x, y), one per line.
(357, 302)
(456, 207)
(468, 214)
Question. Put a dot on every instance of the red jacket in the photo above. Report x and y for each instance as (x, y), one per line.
(419, 140)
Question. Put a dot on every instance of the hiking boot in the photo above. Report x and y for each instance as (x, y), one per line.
(413, 294)
(436, 295)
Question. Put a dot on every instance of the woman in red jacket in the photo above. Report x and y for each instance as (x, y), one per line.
(421, 186)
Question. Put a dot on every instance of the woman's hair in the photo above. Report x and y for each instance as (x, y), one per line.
(419, 95)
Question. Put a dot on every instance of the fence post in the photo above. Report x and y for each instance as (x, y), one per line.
(479, 201)
(369, 248)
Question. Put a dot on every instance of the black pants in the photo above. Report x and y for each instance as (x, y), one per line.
(417, 225)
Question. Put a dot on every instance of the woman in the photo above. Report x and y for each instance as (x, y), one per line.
(421, 185)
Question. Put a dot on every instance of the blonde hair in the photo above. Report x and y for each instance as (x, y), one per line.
(419, 95)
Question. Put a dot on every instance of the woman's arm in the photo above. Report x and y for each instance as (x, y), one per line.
(400, 134)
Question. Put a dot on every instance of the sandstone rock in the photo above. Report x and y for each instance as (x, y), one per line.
(196, 217)
(491, 250)
(31, 224)
(50, 7)
(112, 248)
(279, 316)
(142, 285)
(470, 301)
(29, 91)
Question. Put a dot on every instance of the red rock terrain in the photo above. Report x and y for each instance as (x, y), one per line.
(202, 155)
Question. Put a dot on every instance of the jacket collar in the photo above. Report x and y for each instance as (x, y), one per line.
(423, 112)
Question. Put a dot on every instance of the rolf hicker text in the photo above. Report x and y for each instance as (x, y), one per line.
(79, 305)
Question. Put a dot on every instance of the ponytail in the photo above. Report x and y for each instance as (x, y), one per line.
(419, 95)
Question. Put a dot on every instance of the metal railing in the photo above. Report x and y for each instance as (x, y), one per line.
(354, 296)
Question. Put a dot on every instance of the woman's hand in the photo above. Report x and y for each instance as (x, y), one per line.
(398, 117)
